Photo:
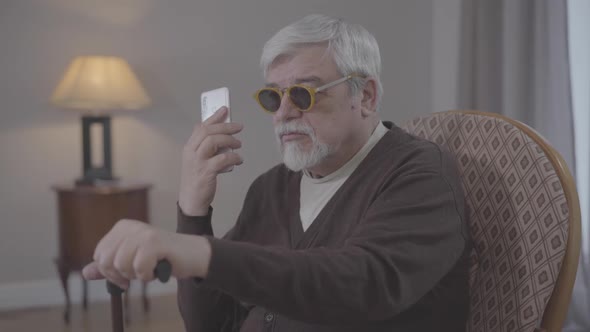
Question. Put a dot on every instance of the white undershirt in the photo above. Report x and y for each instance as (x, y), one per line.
(315, 193)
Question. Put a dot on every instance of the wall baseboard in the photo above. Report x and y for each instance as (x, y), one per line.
(43, 293)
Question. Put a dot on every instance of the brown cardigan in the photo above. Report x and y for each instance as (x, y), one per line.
(387, 253)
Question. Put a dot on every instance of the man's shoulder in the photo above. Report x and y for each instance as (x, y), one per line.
(399, 144)
(402, 151)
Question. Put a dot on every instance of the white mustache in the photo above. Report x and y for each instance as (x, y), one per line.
(293, 127)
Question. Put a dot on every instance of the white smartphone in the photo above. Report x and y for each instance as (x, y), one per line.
(211, 101)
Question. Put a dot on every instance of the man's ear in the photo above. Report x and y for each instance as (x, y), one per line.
(369, 97)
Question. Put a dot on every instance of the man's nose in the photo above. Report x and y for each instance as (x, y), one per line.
(286, 111)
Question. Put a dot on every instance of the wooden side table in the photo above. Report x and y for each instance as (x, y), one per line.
(85, 215)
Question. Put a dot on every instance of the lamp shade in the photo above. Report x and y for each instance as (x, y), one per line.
(100, 84)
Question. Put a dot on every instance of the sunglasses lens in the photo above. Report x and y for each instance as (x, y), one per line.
(300, 97)
(269, 99)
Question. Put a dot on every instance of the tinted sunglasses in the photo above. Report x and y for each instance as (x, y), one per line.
(301, 96)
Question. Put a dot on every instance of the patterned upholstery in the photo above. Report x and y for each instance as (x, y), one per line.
(518, 216)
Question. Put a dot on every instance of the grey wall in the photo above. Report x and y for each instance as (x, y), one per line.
(178, 49)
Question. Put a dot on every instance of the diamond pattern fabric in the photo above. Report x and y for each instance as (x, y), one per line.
(518, 216)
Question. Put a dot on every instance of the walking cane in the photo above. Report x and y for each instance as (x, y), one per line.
(162, 272)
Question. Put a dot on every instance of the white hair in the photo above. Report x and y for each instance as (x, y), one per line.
(354, 49)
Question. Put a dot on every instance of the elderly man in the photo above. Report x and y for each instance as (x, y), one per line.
(361, 228)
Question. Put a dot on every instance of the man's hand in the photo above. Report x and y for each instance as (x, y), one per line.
(131, 250)
(201, 164)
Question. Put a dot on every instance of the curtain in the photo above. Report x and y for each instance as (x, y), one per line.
(514, 61)
(579, 54)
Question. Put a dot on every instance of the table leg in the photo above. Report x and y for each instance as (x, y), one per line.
(64, 273)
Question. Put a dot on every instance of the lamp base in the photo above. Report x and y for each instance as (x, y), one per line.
(90, 180)
(96, 175)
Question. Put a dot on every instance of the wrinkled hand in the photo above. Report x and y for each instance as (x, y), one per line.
(201, 162)
(131, 250)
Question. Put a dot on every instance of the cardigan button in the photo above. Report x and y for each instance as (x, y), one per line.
(269, 317)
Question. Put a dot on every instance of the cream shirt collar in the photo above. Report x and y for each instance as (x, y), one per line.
(347, 169)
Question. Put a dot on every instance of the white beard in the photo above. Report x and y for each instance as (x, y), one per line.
(294, 156)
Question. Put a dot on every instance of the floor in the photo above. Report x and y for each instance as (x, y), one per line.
(163, 316)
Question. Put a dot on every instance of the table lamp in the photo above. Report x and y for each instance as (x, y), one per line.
(98, 86)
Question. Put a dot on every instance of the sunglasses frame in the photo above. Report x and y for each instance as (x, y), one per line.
(311, 90)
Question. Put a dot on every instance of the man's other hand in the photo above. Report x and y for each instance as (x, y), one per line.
(131, 250)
